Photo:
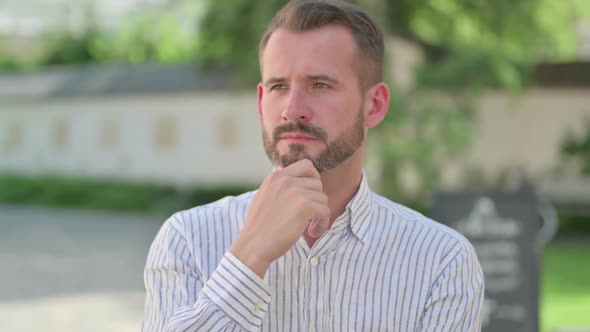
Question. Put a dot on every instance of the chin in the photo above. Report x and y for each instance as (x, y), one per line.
(297, 156)
(303, 153)
(293, 157)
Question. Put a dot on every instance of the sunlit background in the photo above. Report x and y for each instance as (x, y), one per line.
(116, 113)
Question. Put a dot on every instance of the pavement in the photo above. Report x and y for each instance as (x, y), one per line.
(69, 270)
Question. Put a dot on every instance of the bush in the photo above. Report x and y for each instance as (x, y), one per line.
(574, 225)
(106, 194)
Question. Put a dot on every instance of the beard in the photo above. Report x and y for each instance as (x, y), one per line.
(336, 151)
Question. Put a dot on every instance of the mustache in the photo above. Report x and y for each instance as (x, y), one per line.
(299, 127)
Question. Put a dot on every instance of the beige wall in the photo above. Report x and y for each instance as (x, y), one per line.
(180, 139)
(522, 132)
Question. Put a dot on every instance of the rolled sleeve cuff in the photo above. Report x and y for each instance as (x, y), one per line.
(238, 292)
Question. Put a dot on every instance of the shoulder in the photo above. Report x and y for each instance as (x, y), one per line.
(229, 209)
(447, 242)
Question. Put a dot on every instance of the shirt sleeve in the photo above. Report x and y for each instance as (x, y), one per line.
(456, 297)
(234, 298)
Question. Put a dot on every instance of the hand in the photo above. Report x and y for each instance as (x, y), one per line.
(287, 202)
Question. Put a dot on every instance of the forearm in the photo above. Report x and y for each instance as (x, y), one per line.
(202, 316)
(233, 299)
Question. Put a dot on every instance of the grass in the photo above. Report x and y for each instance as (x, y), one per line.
(565, 297)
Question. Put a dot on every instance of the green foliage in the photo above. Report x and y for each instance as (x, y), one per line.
(577, 149)
(165, 35)
(153, 36)
(501, 35)
(65, 48)
(12, 65)
(230, 33)
(573, 225)
(422, 133)
(106, 194)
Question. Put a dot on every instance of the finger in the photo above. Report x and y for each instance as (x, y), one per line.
(314, 229)
(318, 225)
(315, 196)
(323, 219)
(301, 168)
(307, 183)
(318, 212)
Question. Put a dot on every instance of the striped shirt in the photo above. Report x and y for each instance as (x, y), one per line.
(380, 267)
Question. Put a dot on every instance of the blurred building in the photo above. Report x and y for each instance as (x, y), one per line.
(155, 123)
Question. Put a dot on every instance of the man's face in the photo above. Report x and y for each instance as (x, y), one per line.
(310, 103)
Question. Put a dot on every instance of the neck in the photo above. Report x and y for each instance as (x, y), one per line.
(340, 184)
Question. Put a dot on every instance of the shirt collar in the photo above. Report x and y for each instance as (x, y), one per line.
(358, 211)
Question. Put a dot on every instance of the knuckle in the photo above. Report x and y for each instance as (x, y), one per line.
(318, 184)
(302, 197)
(284, 183)
(293, 195)
(273, 176)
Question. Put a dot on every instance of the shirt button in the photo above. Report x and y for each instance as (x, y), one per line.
(258, 306)
(313, 261)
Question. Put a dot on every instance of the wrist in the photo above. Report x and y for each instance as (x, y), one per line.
(250, 257)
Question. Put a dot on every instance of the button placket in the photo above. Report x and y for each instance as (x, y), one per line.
(316, 308)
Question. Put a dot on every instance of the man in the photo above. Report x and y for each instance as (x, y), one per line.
(313, 249)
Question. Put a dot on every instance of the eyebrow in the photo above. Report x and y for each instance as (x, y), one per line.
(274, 80)
(330, 79)
(322, 78)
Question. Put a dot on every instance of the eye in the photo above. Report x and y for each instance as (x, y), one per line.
(320, 85)
(278, 87)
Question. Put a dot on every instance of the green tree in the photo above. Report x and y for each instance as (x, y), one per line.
(163, 34)
(166, 34)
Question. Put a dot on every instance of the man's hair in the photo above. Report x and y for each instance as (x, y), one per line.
(305, 15)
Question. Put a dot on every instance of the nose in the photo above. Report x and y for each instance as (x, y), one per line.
(296, 108)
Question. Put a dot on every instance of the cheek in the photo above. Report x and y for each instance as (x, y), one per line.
(268, 124)
(269, 121)
(338, 113)
(271, 111)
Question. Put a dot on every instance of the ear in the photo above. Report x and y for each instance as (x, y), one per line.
(376, 104)
(260, 95)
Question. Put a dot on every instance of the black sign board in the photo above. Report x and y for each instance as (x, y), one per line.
(504, 228)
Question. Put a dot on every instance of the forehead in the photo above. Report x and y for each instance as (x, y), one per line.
(330, 50)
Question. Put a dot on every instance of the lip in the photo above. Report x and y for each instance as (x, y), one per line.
(295, 137)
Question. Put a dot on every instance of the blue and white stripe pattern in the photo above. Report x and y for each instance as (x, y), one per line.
(381, 267)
